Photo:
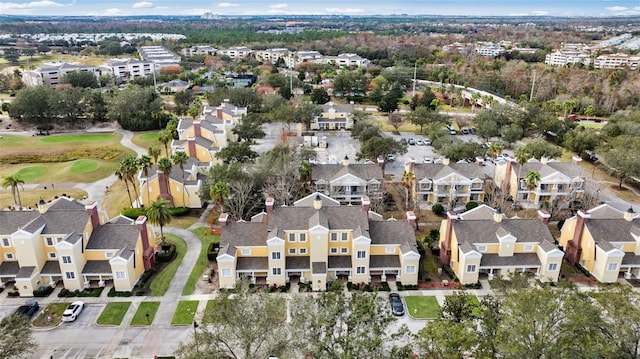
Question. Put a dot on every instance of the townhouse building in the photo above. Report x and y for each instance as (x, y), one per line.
(272, 55)
(51, 74)
(348, 183)
(236, 52)
(334, 117)
(483, 241)
(127, 69)
(604, 241)
(317, 241)
(199, 50)
(558, 180)
(450, 184)
(567, 57)
(66, 241)
(617, 61)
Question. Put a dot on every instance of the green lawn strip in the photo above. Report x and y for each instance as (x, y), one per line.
(196, 274)
(421, 307)
(83, 166)
(80, 138)
(31, 173)
(206, 318)
(50, 316)
(477, 308)
(161, 282)
(113, 313)
(185, 312)
(145, 308)
(78, 171)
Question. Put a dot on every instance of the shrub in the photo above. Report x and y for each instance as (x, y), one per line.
(406, 287)
(437, 209)
(471, 205)
(384, 287)
(560, 224)
(134, 213)
(13, 294)
(212, 252)
(114, 293)
(43, 291)
(179, 211)
(447, 269)
(475, 285)
(304, 287)
(167, 254)
(91, 292)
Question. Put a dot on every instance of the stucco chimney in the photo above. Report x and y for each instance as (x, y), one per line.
(629, 214)
(92, 210)
(381, 162)
(222, 220)
(317, 202)
(196, 128)
(497, 215)
(42, 206)
(574, 246)
(366, 204)
(411, 218)
(269, 202)
(191, 144)
(445, 246)
(345, 161)
(544, 159)
(446, 160)
(411, 163)
(544, 216)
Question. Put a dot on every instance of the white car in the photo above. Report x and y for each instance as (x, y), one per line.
(73, 310)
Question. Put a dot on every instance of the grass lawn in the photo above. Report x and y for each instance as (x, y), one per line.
(161, 282)
(430, 264)
(31, 197)
(423, 307)
(113, 313)
(55, 143)
(145, 308)
(206, 238)
(185, 312)
(206, 318)
(50, 316)
(84, 166)
(78, 171)
(477, 309)
(116, 199)
(186, 221)
(146, 139)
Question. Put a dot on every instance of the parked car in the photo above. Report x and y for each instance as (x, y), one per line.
(28, 309)
(427, 160)
(472, 130)
(427, 142)
(419, 142)
(397, 308)
(368, 162)
(412, 141)
(452, 132)
(403, 141)
(465, 131)
(391, 158)
(73, 310)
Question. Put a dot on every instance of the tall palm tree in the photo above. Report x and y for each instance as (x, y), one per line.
(144, 162)
(219, 192)
(130, 167)
(158, 214)
(165, 137)
(122, 176)
(494, 149)
(408, 182)
(180, 159)
(15, 182)
(531, 179)
(522, 154)
(154, 152)
(165, 165)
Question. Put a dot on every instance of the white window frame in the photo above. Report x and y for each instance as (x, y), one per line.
(53, 255)
(9, 256)
(552, 267)
(276, 255)
(612, 267)
(344, 250)
(225, 272)
(333, 250)
(334, 237)
(292, 251)
(361, 254)
(410, 269)
(345, 237)
(292, 237)
(49, 242)
(120, 274)
(67, 260)
(70, 275)
(302, 237)
(6, 242)
(276, 271)
(482, 248)
(471, 268)
(109, 255)
(528, 247)
(302, 251)
(246, 251)
(361, 270)
(390, 250)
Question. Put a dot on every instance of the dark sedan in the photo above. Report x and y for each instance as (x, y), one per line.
(397, 308)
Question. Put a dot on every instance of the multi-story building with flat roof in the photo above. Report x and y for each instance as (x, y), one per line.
(52, 73)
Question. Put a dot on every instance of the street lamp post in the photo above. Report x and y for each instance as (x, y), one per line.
(195, 336)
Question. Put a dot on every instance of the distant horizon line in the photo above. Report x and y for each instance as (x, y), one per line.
(332, 15)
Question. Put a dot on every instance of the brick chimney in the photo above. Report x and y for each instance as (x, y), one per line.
(544, 216)
(411, 218)
(411, 165)
(196, 128)
(222, 220)
(445, 246)
(219, 112)
(506, 182)
(574, 246)
(191, 143)
(147, 251)
(269, 202)
(366, 204)
(163, 186)
(92, 210)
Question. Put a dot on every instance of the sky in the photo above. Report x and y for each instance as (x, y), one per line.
(598, 8)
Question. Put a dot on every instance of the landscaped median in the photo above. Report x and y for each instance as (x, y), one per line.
(422, 307)
(198, 269)
(51, 316)
(113, 313)
(145, 314)
(185, 312)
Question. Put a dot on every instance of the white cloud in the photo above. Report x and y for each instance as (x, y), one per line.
(8, 6)
(114, 11)
(142, 4)
(616, 8)
(226, 4)
(338, 10)
(278, 6)
(162, 7)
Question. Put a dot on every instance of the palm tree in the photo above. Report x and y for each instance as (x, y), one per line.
(165, 137)
(494, 149)
(531, 180)
(408, 179)
(130, 168)
(523, 154)
(15, 182)
(180, 159)
(165, 165)
(219, 191)
(154, 152)
(121, 174)
(144, 162)
(158, 214)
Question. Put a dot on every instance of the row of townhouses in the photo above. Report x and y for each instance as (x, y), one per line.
(121, 69)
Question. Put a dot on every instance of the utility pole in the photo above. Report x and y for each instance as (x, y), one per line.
(533, 84)
(415, 69)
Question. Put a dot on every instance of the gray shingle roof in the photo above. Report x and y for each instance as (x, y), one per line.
(631, 259)
(244, 234)
(547, 246)
(252, 263)
(114, 236)
(97, 267)
(339, 262)
(329, 172)
(484, 231)
(63, 216)
(297, 263)
(25, 272)
(338, 107)
(319, 267)
(9, 268)
(376, 262)
(614, 230)
(566, 168)
(517, 260)
(391, 232)
(439, 170)
(50, 268)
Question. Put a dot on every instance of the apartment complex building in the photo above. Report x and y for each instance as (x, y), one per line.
(127, 69)
(74, 243)
(52, 73)
(617, 61)
(348, 183)
(334, 117)
(158, 55)
(317, 241)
